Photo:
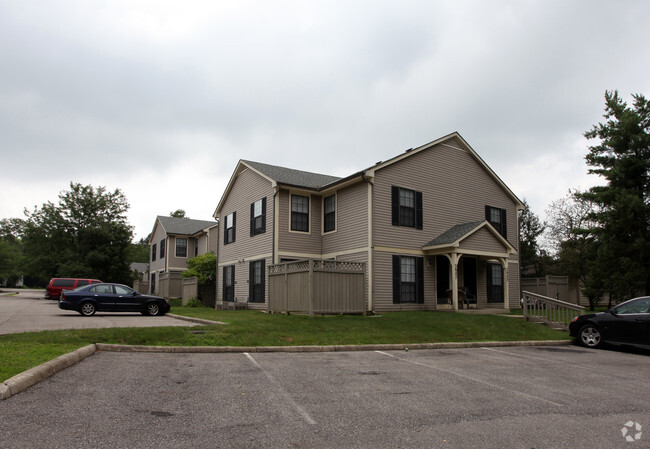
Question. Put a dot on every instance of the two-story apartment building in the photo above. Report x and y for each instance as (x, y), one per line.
(433, 225)
(173, 241)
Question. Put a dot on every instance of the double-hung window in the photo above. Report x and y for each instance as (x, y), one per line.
(229, 283)
(408, 279)
(497, 218)
(300, 213)
(181, 247)
(329, 213)
(406, 207)
(258, 217)
(229, 228)
(256, 281)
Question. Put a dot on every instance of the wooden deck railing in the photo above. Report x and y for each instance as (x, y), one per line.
(551, 311)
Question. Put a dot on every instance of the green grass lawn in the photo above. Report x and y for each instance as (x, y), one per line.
(19, 352)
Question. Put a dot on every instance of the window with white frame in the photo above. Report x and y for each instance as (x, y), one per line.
(181, 247)
(329, 213)
(300, 213)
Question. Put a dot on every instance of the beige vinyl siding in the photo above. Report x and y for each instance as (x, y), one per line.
(246, 189)
(351, 220)
(455, 190)
(483, 240)
(158, 235)
(292, 242)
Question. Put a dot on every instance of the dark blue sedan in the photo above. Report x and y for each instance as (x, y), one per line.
(111, 298)
(626, 324)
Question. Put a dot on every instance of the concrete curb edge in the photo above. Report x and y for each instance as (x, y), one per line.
(32, 376)
(194, 320)
(327, 348)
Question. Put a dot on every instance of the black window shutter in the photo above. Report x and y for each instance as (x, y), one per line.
(263, 263)
(223, 286)
(487, 213)
(397, 279)
(252, 219)
(234, 224)
(251, 280)
(419, 266)
(395, 205)
(418, 210)
(504, 231)
(225, 231)
(263, 214)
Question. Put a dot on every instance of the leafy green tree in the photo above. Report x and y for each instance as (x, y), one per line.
(85, 235)
(178, 213)
(621, 155)
(531, 255)
(11, 250)
(204, 267)
(571, 236)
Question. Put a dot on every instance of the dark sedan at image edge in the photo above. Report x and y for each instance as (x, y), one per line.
(625, 324)
(111, 298)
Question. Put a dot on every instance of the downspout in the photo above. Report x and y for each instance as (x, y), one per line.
(371, 240)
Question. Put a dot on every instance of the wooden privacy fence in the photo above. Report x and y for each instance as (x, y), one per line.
(317, 287)
(170, 285)
(548, 310)
(206, 293)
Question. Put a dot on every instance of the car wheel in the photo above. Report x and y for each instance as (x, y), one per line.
(590, 336)
(153, 309)
(87, 309)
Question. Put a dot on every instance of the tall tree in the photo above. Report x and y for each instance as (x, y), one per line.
(621, 155)
(85, 235)
(11, 251)
(571, 237)
(178, 213)
(530, 252)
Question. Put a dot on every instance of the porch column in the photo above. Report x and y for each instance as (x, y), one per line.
(506, 284)
(454, 280)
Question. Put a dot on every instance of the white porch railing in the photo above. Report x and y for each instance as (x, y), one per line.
(548, 310)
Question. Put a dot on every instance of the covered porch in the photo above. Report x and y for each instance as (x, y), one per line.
(471, 263)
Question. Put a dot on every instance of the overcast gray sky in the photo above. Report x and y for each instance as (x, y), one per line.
(162, 98)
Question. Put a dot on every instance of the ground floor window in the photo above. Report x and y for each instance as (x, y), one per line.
(408, 279)
(229, 283)
(256, 281)
(494, 272)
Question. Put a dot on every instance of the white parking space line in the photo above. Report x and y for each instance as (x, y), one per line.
(473, 379)
(562, 362)
(282, 391)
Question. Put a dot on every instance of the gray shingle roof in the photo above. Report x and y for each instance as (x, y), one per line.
(454, 234)
(293, 177)
(183, 226)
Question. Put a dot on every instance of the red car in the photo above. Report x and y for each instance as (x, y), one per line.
(57, 285)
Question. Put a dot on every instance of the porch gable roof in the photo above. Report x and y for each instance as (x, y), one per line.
(451, 239)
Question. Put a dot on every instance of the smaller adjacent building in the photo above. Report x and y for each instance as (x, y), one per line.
(172, 243)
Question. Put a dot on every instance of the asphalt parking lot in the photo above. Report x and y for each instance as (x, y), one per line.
(27, 311)
(508, 397)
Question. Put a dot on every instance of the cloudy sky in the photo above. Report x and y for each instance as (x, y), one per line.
(162, 98)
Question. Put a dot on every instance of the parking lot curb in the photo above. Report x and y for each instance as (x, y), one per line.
(26, 379)
(325, 348)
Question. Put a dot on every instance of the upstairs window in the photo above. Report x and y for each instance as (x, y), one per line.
(153, 252)
(258, 217)
(497, 218)
(300, 213)
(406, 207)
(229, 228)
(181, 247)
(329, 213)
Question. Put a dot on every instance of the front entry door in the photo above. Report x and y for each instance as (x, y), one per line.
(469, 278)
(494, 282)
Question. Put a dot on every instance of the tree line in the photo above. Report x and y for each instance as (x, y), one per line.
(85, 234)
(601, 236)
